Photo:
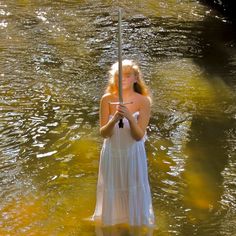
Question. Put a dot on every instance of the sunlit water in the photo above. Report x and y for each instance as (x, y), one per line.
(54, 59)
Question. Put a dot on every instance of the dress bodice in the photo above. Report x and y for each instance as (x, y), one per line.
(122, 137)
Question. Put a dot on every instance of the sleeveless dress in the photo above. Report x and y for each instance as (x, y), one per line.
(123, 191)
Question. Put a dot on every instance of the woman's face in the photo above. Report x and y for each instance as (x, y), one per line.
(128, 79)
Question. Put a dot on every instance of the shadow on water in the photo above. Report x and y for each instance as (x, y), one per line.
(226, 7)
(207, 157)
(218, 41)
(209, 147)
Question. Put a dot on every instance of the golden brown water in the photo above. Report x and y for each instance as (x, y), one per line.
(54, 61)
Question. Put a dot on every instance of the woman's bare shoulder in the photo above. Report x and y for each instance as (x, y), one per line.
(107, 97)
(143, 100)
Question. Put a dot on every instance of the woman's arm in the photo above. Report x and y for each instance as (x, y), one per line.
(106, 125)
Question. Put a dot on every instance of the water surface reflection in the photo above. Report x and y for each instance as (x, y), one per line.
(54, 62)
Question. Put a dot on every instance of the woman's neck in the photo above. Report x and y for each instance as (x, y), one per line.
(126, 94)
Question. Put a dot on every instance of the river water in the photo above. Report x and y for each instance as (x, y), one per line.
(54, 59)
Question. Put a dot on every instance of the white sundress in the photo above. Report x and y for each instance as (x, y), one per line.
(123, 191)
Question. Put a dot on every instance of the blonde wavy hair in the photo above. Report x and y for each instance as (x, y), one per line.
(129, 66)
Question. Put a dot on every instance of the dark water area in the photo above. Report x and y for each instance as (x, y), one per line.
(54, 60)
(225, 7)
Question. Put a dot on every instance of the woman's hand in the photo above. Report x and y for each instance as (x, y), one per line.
(123, 111)
(117, 116)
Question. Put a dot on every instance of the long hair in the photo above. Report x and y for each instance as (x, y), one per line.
(139, 86)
